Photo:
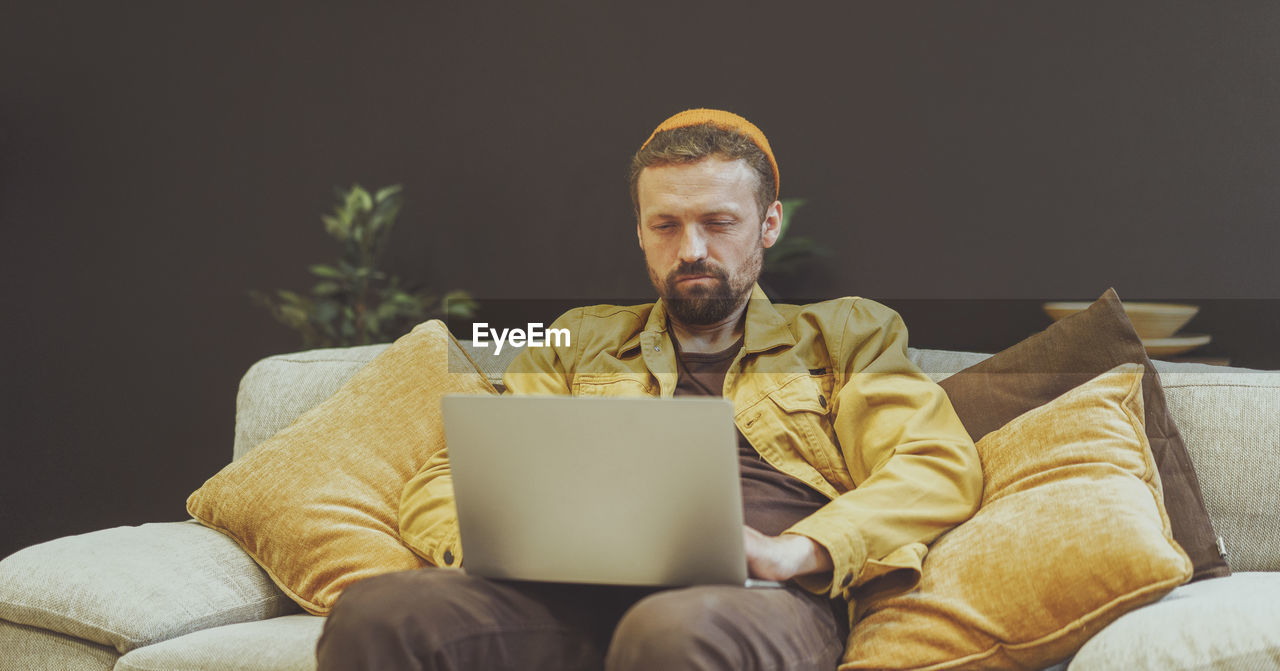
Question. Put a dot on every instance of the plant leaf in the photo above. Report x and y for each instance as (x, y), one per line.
(336, 226)
(388, 191)
(322, 270)
(326, 288)
(458, 303)
(359, 200)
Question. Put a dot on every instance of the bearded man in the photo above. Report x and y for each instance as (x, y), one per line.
(851, 459)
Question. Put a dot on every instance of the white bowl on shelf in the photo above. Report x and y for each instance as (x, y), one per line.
(1174, 345)
(1150, 320)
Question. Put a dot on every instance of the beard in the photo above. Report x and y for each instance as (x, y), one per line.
(706, 304)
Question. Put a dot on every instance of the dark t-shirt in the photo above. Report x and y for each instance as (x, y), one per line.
(772, 501)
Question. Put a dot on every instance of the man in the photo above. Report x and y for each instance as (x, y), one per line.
(851, 459)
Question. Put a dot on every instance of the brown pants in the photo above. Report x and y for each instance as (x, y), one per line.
(444, 619)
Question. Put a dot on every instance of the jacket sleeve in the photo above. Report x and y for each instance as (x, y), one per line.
(915, 468)
(428, 516)
(546, 370)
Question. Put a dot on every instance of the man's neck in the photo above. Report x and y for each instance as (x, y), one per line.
(707, 338)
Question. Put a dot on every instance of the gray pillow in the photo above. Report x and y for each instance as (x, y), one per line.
(129, 587)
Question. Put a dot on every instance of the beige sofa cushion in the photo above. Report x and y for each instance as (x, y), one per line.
(1228, 417)
(942, 364)
(279, 644)
(1224, 624)
(24, 648)
(129, 587)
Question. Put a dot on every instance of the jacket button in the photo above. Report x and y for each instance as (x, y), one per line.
(848, 580)
(448, 557)
(822, 400)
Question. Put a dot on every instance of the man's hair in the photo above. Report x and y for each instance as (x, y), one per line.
(690, 144)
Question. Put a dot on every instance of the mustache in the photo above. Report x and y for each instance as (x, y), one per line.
(694, 269)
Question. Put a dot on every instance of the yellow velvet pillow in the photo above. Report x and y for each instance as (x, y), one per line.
(316, 504)
(1072, 533)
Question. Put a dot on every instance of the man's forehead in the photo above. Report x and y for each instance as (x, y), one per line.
(710, 165)
(703, 177)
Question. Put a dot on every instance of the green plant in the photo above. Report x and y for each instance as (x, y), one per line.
(355, 303)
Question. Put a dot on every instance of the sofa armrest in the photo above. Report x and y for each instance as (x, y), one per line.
(128, 587)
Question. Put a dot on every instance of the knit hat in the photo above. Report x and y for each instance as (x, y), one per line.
(728, 121)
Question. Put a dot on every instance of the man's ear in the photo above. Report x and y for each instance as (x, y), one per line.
(639, 240)
(771, 227)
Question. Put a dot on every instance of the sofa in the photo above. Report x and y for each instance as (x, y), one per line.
(178, 595)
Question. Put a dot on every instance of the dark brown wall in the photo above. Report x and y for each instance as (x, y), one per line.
(157, 160)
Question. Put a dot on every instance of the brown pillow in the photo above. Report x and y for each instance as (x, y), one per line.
(316, 505)
(1065, 355)
(1071, 534)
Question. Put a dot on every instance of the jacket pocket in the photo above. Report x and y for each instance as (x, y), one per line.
(803, 422)
(614, 384)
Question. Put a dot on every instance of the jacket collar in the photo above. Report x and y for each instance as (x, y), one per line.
(765, 329)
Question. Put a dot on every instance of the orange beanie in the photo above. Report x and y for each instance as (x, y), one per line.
(726, 120)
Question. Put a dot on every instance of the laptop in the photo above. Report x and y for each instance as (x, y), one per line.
(614, 491)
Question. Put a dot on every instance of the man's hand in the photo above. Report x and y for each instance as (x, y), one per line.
(783, 557)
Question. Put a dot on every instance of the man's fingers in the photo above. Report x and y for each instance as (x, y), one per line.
(762, 555)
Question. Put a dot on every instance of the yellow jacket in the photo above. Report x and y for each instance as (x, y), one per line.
(825, 393)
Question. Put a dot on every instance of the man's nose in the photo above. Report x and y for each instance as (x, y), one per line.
(693, 245)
